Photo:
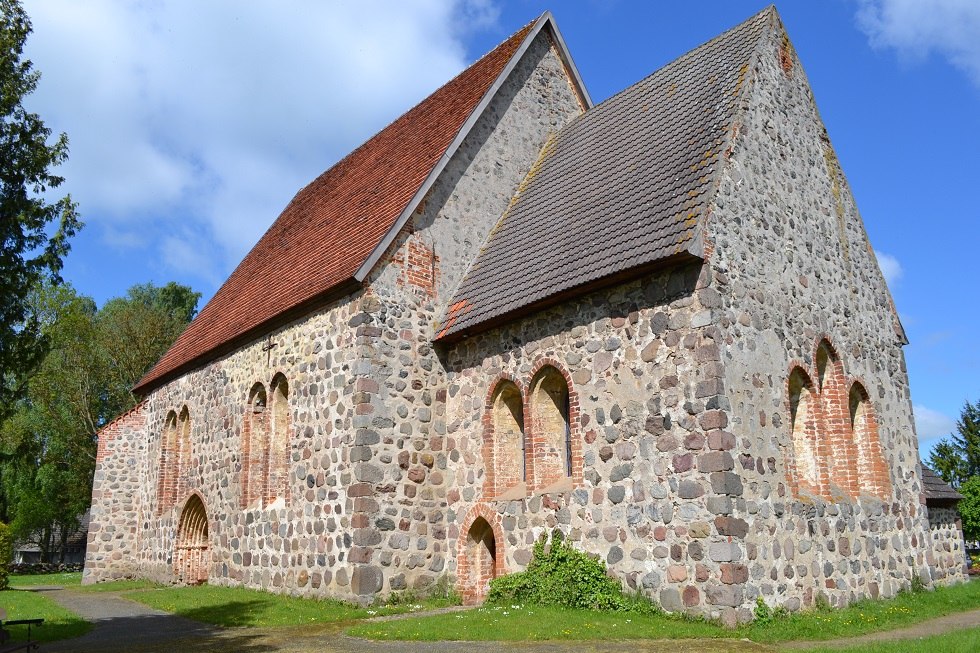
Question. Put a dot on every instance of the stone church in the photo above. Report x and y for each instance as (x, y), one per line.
(655, 324)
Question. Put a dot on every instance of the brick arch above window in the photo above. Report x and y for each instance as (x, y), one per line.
(255, 446)
(805, 462)
(836, 450)
(169, 460)
(872, 469)
(553, 426)
(280, 441)
(505, 446)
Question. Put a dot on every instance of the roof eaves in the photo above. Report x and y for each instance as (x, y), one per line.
(546, 19)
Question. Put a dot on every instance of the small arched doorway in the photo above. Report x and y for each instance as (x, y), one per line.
(481, 559)
(191, 554)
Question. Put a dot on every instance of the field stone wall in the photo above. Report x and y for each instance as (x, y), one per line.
(116, 495)
(947, 554)
(790, 264)
(365, 506)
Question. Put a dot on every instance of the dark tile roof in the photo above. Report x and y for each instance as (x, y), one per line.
(620, 189)
(936, 489)
(333, 225)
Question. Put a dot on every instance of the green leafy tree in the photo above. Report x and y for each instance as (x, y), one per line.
(34, 232)
(48, 446)
(969, 508)
(957, 457)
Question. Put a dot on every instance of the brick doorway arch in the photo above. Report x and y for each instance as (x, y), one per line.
(479, 561)
(192, 545)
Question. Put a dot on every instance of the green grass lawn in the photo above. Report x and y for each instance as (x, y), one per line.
(546, 623)
(73, 580)
(539, 623)
(236, 606)
(958, 641)
(58, 622)
(68, 579)
(868, 616)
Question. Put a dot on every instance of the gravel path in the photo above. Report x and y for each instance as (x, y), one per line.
(119, 623)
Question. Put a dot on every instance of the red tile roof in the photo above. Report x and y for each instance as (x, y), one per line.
(331, 227)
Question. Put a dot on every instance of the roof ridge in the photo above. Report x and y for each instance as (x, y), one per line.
(337, 223)
(693, 51)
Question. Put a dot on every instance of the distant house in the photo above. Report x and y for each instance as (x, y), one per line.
(945, 527)
(28, 551)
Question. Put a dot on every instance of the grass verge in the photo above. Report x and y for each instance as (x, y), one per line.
(240, 607)
(58, 622)
(73, 580)
(517, 622)
(867, 616)
(514, 623)
(959, 641)
(67, 579)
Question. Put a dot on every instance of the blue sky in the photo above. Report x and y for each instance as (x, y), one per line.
(193, 124)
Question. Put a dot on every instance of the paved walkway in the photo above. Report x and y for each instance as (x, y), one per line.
(124, 625)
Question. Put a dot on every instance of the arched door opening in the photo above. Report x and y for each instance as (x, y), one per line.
(481, 558)
(191, 548)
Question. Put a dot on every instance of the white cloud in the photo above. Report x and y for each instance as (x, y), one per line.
(915, 28)
(931, 424)
(890, 267)
(205, 118)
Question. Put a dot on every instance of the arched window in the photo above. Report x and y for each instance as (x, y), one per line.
(803, 421)
(169, 455)
(255, 447)
(551, 428)
(279, 441)
(507, 447)
(872, 472)
(183, 454)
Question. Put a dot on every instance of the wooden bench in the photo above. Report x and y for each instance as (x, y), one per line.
(5, 645)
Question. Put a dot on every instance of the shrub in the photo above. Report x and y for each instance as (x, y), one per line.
(6, 554)
(561, 575)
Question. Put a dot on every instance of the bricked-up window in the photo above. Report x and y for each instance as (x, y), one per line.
(507, 446)
(169, 453)
(183, 457)
(255, 447)
(279, 442)
(550, 427)
(803, 420)
(834, 428)
(872, 471)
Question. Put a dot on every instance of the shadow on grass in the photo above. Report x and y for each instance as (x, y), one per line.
(233, 614)
(49, 631)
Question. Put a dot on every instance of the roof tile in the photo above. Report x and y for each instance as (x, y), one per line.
(621, 187)
(334, 224)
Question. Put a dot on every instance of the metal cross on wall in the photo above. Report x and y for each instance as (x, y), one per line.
(267, 348)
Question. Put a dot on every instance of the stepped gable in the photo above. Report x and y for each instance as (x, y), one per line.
(621, 189)
(314, 250)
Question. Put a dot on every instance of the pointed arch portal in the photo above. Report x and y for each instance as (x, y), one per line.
(192, 545)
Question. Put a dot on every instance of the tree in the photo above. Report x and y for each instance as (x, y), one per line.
(48, 445)
(34, 233)
(969, 508)
(957, 458)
